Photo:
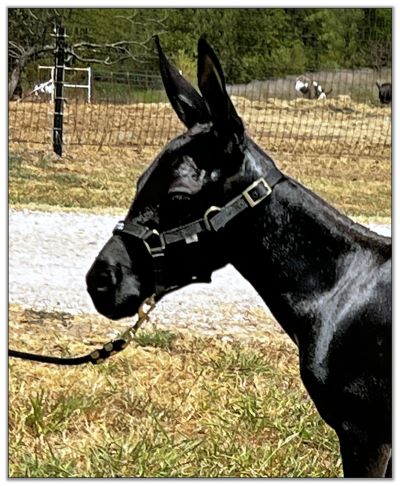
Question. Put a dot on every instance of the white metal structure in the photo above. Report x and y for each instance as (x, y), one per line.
(87, 86)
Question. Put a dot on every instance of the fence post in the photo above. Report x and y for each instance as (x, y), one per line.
(59, 90)
(89, 84)
(52, 82)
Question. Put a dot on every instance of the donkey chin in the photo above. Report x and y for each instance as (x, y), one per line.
(116, 308)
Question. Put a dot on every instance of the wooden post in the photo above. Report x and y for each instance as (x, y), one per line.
(59, 90)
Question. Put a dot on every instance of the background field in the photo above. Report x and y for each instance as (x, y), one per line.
(340, 148)
(174, 403)
(336, 126)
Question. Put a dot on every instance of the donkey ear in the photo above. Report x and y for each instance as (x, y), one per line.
(185, 100)
(212, 85)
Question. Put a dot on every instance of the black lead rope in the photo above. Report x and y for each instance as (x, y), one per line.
(98, 355)
(95, 357)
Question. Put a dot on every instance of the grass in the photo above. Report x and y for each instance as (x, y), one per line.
(104, 179)
(173, 404)
(122, 93)
(160, 339)
(85, 179)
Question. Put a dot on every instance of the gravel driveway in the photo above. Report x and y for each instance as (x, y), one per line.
(50, 253)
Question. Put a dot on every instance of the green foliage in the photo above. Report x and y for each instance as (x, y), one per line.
(253, 43)
(271, 42)
(187, 64)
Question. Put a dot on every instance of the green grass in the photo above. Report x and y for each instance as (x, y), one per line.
(236, 360)
(157, 338)
(124, 93)
(172, 404)
(14, 161)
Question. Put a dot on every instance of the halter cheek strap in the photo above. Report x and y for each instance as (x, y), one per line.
(214, 219)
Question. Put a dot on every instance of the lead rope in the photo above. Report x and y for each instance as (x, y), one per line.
(99, 355)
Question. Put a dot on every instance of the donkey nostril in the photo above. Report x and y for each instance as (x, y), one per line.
(105, 282)
(103, 278)
(101, 289)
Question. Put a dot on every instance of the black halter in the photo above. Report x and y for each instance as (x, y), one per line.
(214, 219)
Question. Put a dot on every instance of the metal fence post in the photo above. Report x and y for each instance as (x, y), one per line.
(59, 90)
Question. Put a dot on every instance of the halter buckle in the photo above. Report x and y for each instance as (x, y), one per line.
(253, 196)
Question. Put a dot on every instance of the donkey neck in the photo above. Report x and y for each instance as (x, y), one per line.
(295, 248)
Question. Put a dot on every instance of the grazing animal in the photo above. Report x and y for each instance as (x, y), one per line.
(42, 89)
(310, 89)
(45, 88)
(213, 197)
(385, 92)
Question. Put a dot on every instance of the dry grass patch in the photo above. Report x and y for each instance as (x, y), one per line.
(311, 140)
(85, 178)
(88, 178)
(331, 127)
(173, 404)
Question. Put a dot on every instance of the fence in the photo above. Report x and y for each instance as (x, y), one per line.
(87, 86)
(132, 109)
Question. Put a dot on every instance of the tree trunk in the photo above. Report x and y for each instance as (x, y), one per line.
(13, 81)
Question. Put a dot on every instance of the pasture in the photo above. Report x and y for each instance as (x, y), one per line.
(175, 404)
(336, 126)
(339, 148)
(92, 179)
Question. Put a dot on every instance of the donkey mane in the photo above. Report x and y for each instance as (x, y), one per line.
(347, 227)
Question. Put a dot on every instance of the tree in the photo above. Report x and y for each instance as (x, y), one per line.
(253, 43)
(130, 37)
(29, 40)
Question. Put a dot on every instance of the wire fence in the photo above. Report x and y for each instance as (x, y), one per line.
(129, 109)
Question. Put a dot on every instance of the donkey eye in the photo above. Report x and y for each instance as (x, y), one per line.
(176, 209)
(179, 197)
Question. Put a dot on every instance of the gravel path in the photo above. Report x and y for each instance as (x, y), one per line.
(50, 253)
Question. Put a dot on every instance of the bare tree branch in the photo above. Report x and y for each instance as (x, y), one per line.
(93, 60)
(121, 49)
(16, 50)
(113, 45)
(30, 41)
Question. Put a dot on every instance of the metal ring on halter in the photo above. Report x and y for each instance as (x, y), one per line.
(211, 209)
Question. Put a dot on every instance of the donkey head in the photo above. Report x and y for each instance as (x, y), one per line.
(170, 235)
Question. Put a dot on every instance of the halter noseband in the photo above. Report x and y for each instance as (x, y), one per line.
(214, 219)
